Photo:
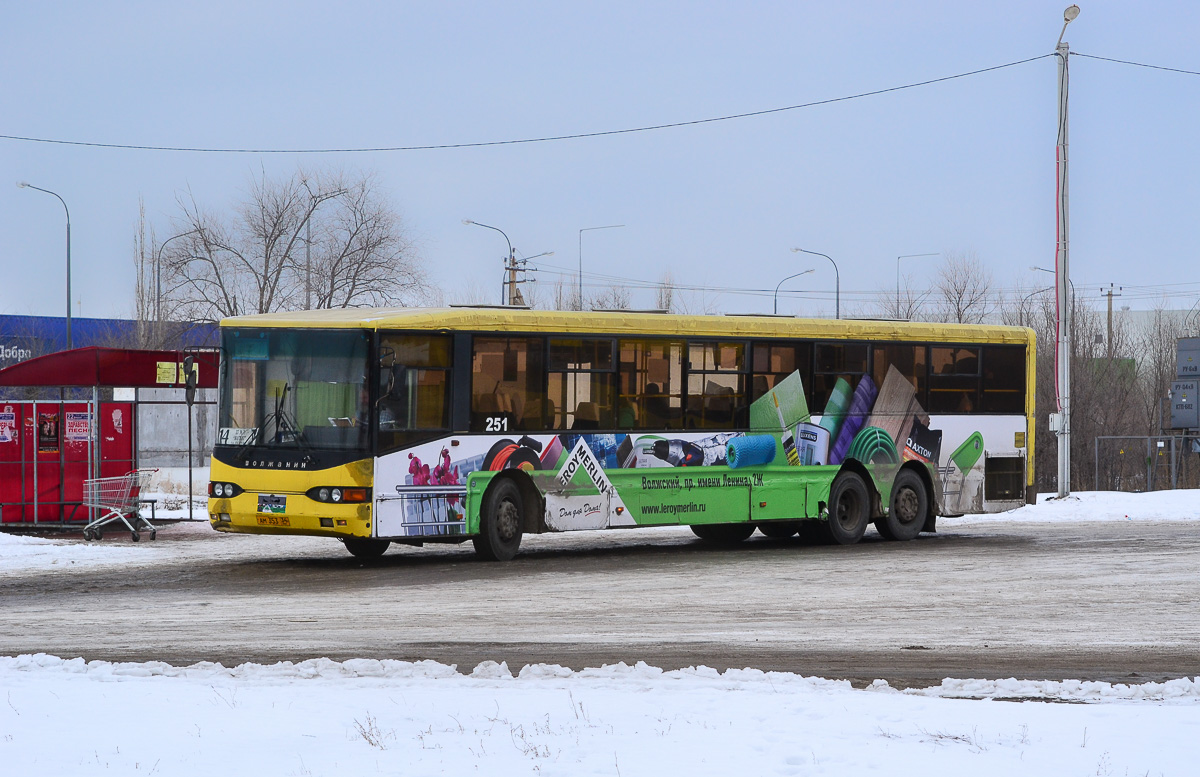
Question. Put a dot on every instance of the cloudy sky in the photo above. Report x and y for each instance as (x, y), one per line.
(961, 166)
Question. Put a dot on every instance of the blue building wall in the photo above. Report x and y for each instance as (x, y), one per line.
(23, 337)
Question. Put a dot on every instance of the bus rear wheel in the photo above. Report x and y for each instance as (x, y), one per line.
(723, 533)
(500, 519)
(849, 509)
(910, 503)
(365, 547)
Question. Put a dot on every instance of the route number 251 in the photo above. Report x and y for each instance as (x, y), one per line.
(496, 424)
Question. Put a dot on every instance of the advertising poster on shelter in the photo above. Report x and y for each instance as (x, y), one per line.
(78, 425)
(47, 432)
(8, 425)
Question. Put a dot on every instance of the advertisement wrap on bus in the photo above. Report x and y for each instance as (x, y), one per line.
(373, 431)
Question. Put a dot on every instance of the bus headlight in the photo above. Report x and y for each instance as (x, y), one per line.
(339, 494)
(220, 490)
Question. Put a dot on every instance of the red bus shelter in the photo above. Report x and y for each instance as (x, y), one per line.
(48, 448)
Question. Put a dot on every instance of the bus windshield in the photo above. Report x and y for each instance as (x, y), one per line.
(294, 388)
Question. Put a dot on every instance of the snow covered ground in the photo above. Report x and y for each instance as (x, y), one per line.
(320, 717)
(66, 716)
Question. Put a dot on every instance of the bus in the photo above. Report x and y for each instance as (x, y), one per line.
(415, 426)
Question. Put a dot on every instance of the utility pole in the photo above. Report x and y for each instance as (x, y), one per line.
(1061, 421)
(1110, 294)
(514, 291)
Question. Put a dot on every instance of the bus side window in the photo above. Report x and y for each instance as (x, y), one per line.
(953, 379)
(909, 361)
(716, 385)
(413, 395)
(581, 381)
(774, 360)
(650, 388)
(1003, 379)
(834, 361)
(506, 384)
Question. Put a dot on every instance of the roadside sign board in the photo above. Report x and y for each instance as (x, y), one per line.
(1187, 364)
(1185, 410)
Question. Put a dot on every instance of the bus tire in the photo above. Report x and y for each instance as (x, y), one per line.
(723, 533)
(500, 519)
(849, 509)
(779, 530)
(909, 508)
(365, 547)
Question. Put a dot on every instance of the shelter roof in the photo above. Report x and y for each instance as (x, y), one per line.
(126, 367)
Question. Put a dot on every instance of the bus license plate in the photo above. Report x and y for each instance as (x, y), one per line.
(274, 520)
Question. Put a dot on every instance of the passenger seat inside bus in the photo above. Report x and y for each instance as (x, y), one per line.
(587, 416)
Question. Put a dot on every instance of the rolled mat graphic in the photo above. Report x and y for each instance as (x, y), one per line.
(752, 451)
(873, 445)
(856, 416)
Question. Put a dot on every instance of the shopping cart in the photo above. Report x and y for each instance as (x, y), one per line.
(121, 498)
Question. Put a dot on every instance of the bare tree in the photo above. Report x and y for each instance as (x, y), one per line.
(664, 294)
(611, 298)
(318, 239)
(963, 290)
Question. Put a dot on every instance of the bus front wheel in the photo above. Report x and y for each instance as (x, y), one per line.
(910, 503)
(365, 547)
(849, 509)
(500, 519)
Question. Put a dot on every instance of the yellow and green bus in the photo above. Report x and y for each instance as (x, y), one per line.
(414, 426)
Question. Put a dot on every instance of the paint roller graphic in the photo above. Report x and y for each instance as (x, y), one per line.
(789, 442)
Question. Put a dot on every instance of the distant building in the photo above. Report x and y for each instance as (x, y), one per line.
(23, 337)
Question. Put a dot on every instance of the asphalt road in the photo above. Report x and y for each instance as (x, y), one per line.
(1102, 601)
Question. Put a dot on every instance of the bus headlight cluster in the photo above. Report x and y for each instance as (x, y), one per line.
(220, 490)
(339, 494)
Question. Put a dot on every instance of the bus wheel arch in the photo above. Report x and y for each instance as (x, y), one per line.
(909, 507)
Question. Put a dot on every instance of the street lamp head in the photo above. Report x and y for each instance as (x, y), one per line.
(1070, 14)
(468, 222)
(22, 185)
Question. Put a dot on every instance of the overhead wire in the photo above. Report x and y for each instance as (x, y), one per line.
(519, 141)
(1137, 64)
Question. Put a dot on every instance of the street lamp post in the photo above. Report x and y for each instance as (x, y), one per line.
(588, 229)
(158, 273)
(24, 185)
(775, 310)
(898, 258)
(509, 266)
(1062, 267)
(837, 279)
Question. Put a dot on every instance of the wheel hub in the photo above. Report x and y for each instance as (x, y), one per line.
(508, 520)
(906, 504)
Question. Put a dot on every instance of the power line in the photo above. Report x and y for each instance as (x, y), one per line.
(1136, 64)
(543, 139)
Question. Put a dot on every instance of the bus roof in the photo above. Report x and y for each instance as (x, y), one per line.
(629, 323)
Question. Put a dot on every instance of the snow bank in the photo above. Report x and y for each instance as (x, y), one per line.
(324, 717)
(639, 677)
